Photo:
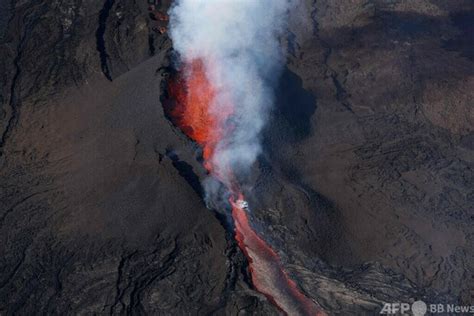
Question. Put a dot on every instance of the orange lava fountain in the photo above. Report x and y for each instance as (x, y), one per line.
(194, 95)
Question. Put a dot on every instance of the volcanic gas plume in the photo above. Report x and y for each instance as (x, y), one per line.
(228, 51)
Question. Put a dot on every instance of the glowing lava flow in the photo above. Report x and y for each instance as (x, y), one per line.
(193, 95)
(267, 273)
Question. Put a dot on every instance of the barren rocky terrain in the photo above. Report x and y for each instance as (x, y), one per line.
(365, 186)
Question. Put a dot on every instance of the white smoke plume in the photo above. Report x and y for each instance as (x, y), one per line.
(238, 41)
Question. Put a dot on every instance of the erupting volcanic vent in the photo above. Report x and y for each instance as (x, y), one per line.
(193, 94)
(221, 97)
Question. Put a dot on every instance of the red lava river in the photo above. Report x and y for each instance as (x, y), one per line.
(193, 93)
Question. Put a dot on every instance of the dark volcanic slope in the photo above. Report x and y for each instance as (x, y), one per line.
(389, 137)
(95, 214)
(365, 187)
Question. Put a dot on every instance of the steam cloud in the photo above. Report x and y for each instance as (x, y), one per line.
(237, 40)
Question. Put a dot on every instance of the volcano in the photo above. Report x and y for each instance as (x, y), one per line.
(118, 195)
(190, 109)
